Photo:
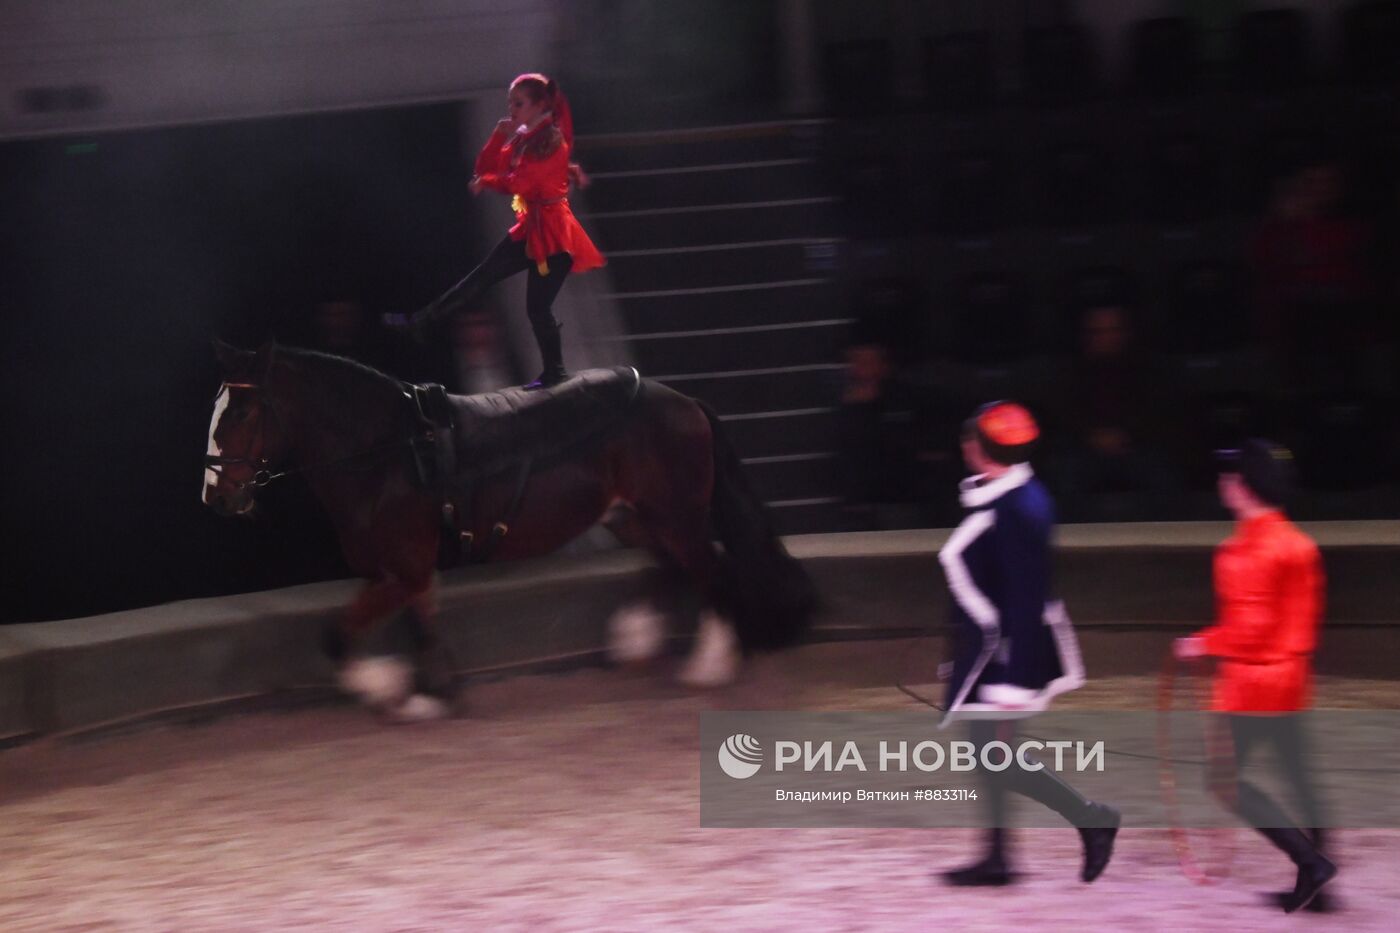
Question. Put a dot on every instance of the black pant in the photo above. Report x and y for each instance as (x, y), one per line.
(507, 259)
(1285, 735)
(1043, 786)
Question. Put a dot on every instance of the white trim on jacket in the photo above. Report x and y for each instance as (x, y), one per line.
(974, 494)
(972, 600)
(1010, 700)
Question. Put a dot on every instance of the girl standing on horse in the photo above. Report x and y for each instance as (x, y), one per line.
(528, 157)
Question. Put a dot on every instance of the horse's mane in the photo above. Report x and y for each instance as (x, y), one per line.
(329, 361)
(350, 397)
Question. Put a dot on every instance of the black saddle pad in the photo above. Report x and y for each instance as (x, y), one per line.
(496, 430)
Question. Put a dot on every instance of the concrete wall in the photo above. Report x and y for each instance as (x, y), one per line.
(86, 65)
(1137, 585)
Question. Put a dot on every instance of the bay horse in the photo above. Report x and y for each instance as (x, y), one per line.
(661, 459)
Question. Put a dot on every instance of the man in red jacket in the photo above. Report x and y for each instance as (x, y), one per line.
(1269, 589)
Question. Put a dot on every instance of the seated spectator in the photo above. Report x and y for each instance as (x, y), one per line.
(338, 324)
(1111, 411)
(338, 327)
(1385, 265)
(1311, 287)
(480, 360)
(875, 459)
(890, 312)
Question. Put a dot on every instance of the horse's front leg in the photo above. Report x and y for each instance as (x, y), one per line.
(434, 694)
(381, 682)
(407, 693)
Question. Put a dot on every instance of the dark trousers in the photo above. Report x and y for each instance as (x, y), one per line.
(1044, 786)
(507, 259)
(1285, 735)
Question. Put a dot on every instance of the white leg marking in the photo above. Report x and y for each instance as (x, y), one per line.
(210, 477)
(636, 632)
(378, 681)
(419, 708)
(714, 661)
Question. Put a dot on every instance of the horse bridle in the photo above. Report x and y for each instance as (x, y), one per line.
(262, 466)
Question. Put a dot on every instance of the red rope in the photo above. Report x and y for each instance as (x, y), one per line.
(1205, 855)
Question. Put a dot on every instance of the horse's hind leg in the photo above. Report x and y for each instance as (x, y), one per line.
(637, 628)
(715, 658)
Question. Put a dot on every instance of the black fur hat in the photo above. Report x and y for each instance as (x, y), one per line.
(1266, 468)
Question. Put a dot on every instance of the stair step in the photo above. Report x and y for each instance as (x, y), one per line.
(754, 180)
(654, 228)
(723, 352)
(700, 267)
(794, 432)
(613, 152)
(764, 390)
(776, 303)
(723, 252)
(794, 479)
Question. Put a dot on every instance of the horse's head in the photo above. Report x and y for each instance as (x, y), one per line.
(245, 437)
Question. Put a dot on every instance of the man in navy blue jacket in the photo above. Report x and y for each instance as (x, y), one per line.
(1014, 649)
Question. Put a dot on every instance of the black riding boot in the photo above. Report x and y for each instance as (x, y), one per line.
(1097, 823)
(1100, 829)
(1323, 902)
(551, 355)
(1314, 868)
(990, 872)
(423, 322)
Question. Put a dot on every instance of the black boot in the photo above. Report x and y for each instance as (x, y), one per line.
(422, 322)
(1314, 868)
(419, 325)
(551, 354)
(1322, 902)
(990, 872)
(1098, 839)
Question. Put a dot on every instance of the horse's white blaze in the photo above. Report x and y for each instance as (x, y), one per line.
(714, 661)
(636, 632)
(220, 406)
(378, 681)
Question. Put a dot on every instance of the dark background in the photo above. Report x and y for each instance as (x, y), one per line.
(121, 256)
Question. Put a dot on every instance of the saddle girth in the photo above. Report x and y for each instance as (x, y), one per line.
(480, 438)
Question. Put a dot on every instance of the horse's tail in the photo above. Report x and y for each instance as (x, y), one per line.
(768, 592)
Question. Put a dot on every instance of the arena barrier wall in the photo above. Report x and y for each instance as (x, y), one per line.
(1129, 588)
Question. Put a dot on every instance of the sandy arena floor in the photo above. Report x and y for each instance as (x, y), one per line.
(564, 803)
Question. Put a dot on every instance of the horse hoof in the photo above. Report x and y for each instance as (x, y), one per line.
(378, 682)
(636, 632)
(420, 708)
(714, 661)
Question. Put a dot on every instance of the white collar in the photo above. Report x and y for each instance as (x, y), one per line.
(973, 493)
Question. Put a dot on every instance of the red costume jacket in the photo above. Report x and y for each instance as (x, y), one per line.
(535, 168)
(1269, 588)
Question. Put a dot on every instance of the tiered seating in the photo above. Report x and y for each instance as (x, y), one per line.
(1021, 202)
